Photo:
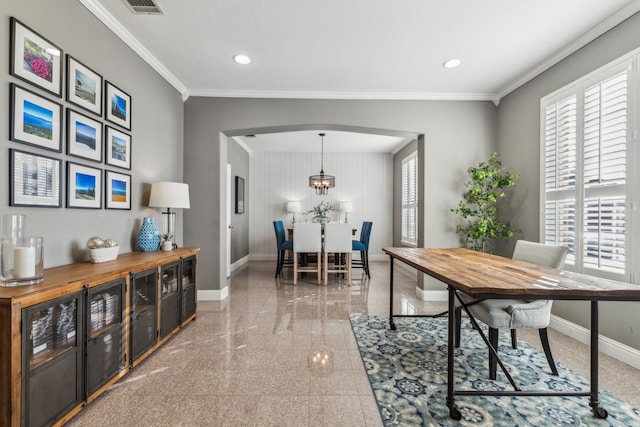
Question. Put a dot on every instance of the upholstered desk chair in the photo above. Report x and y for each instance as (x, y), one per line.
(307, 238)
(282, 245)
(337, 240)
(362, 245)
(516, 314)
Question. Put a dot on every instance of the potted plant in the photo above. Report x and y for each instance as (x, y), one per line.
(167, 243)
(320, 212)
(480, 204)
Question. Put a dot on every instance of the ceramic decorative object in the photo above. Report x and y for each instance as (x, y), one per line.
(148, 236)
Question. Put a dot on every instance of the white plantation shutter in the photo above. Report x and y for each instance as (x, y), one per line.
(410, 200)
(586, 137)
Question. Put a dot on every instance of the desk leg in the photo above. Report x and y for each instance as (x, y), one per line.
(392, 325)
(454, 412)
(598, 410)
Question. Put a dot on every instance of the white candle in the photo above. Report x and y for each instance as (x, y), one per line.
(24, 262)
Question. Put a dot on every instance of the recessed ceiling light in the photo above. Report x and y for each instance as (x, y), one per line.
(452, 63)
(242, 59)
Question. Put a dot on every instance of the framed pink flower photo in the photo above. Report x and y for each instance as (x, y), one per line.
(35, 59)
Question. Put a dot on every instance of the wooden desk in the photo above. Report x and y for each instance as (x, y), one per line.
(482, 275)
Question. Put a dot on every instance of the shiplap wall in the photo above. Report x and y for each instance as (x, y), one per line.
(366, 179)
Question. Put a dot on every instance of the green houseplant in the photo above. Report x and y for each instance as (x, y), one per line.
(479, 206)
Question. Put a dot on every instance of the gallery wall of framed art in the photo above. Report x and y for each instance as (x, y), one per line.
(95, 113)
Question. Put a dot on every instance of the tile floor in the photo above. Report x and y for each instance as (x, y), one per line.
(245, 361)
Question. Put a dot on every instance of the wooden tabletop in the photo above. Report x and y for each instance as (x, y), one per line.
(483, 275)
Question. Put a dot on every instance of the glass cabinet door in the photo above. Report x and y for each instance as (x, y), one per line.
(169, 302)
(188, 285)
(105, 335)
(144, 332)
(52, 365)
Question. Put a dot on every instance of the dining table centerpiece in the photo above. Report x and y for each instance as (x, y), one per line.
(320, 212)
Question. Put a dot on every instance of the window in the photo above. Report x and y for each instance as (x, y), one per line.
(410, 200)
(587, 162)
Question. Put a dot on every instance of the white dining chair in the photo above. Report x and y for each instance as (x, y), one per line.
(337, 240)
(516, 314)
(307, 238)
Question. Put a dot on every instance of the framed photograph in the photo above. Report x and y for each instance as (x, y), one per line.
(84, 186)
(117, 148)
(117, 106)
(84, 86)
(84, 136)
(239, 195)
(34, 180)
(35, 59)
(35, 120)
(118, 190)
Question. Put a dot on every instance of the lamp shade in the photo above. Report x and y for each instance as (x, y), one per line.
(169, 195)
(294, 207)
(346, 206)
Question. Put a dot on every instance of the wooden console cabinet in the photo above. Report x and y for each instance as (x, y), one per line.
(66, 340)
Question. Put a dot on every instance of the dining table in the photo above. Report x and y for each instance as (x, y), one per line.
(482, 276)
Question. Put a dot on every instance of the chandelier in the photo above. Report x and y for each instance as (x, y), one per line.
(322, 183)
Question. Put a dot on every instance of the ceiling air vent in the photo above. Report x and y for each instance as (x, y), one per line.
(144, 7)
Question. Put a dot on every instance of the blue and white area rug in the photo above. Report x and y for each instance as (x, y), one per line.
(407, 369)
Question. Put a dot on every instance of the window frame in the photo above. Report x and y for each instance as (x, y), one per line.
(405, 205)
(583, 191)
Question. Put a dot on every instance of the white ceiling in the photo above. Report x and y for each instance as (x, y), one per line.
(359, 49)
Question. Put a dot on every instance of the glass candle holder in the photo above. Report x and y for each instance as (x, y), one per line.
(21, 261)
(13, 226)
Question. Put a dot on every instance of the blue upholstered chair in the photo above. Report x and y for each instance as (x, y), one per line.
(282, 245)
(362, 245)
(516, 314)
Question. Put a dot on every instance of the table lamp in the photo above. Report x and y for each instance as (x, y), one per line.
(294, 207)
(169, 195)
(346, 207)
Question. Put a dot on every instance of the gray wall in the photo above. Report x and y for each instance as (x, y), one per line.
(157, 128)
(238, 158)
(519, 143)
(456, 134)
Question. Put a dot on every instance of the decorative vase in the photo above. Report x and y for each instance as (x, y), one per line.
(148, 236)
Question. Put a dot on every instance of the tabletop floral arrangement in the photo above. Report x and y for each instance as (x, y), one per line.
(320, 212)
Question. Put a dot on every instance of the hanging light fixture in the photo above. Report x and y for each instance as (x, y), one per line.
(322, 183)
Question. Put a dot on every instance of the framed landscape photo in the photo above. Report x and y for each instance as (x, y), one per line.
(35, 59)
(117, 106)
(84, 86)
(84, 186)
(117, 148)
(34, 180)
(35, 120)
(84, 136)
(117, 190)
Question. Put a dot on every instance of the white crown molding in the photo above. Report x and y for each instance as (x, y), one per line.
(107, 19)
(604, 26)
(345, 95)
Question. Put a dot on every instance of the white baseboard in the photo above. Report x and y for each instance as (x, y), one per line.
(610, 347)
(213, 295)
(239, 263)
(430, 295)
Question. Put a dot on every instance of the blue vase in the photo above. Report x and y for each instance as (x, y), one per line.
(148, 236)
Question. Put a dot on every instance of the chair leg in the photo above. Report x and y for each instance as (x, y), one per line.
(514, 339)
(493, 362)
(456, 330)
(366, 257)
(319, 267)
(326, 268)
(544, 338)
(278, 264)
